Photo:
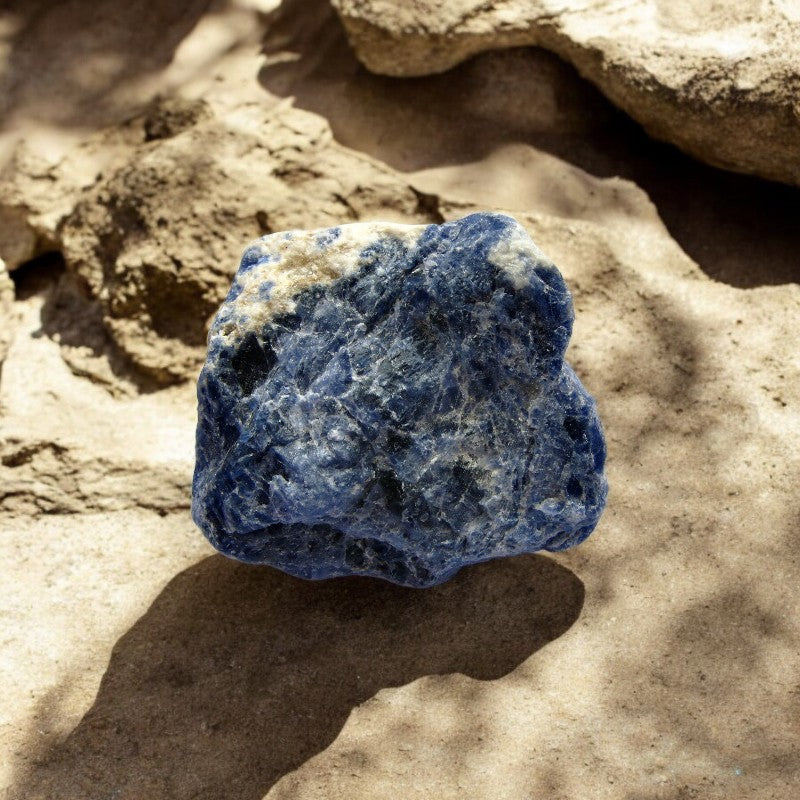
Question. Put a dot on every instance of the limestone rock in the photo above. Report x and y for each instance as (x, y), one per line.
(721, 81)
(49, 477)
(393, 400)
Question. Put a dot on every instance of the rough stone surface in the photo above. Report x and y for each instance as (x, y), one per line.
(393, 401)
(721, 80)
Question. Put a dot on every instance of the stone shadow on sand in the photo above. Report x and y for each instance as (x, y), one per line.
(741, 230)
(237, 675)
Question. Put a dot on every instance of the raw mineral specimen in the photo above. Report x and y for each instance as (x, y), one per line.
(392, 400)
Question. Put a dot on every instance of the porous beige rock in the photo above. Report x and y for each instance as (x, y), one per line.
(720, 80)
(32, 203)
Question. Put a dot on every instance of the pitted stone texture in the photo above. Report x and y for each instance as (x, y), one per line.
(719, 80)
(401, 409)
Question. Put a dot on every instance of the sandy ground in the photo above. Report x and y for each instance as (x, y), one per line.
(659, 660)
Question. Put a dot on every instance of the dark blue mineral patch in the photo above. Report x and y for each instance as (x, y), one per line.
(393, 401)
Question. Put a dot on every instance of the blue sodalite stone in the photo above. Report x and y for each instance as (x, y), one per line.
(393, 401)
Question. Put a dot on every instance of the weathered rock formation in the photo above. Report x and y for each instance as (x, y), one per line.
(721, 81)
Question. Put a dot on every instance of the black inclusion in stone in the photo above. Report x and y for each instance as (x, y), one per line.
(465, 482)
(252, 362)
(397, 442)
(354, 554)
(574, 427)
(574, 488)
(392, 490)
(274, 466)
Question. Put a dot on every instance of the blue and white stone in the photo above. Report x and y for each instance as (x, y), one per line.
(393, 400)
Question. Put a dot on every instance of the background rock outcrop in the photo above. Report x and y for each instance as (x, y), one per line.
(721, 81)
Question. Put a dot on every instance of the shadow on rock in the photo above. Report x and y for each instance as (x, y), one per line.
(237, 675)
(72, 318)
(740, 230)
